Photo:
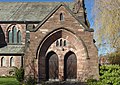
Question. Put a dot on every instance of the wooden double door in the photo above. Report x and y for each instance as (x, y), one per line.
(69, 66)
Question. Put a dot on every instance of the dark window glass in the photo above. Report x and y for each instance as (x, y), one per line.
(60, 42)
(65, 43)
(57, 43)
(9, 36)
(14, 34)
(11, 61)
(61, 17)
(2, 61)
(19, 37)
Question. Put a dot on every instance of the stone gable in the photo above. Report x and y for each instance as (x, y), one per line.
(59, 46)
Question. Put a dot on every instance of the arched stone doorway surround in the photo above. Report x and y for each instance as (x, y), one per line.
(76, 45)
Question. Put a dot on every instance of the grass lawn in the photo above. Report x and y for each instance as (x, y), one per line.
(8, 81)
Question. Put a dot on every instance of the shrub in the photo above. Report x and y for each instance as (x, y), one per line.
(19, 74)
(30, 81)
(109, 75)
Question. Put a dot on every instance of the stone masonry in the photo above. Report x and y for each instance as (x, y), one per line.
(62, 36)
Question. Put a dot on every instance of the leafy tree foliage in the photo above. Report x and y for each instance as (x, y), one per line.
(114, 58)
(109, 75)
(107, 22)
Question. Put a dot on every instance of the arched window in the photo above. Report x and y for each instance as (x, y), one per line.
(9, 36)
(57, 43)
(19, 37)
(14, 34)
(60, 42)
(61, 17)
(11, 62)
(65, 43)
(2, 61)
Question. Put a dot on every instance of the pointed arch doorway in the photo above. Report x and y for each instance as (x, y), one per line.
(70, 66)
(52, 66)
(45, 59)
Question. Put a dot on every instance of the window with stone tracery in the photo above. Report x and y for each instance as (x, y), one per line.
(14, 35)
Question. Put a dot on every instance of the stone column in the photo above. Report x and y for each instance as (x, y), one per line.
(61, 68)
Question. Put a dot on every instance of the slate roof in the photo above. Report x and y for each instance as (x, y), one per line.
(27, 11)
(12, 49)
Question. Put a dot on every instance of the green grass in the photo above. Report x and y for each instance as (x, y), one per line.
(8, 81)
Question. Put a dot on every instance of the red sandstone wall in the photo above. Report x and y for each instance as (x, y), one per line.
(90, 66)
(6, 69)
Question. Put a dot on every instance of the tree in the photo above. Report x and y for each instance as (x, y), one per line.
(114, 58)
(107, 22)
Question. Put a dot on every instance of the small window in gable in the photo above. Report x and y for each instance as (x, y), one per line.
(61, 17)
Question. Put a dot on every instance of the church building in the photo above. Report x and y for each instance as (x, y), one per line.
(52, 41)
